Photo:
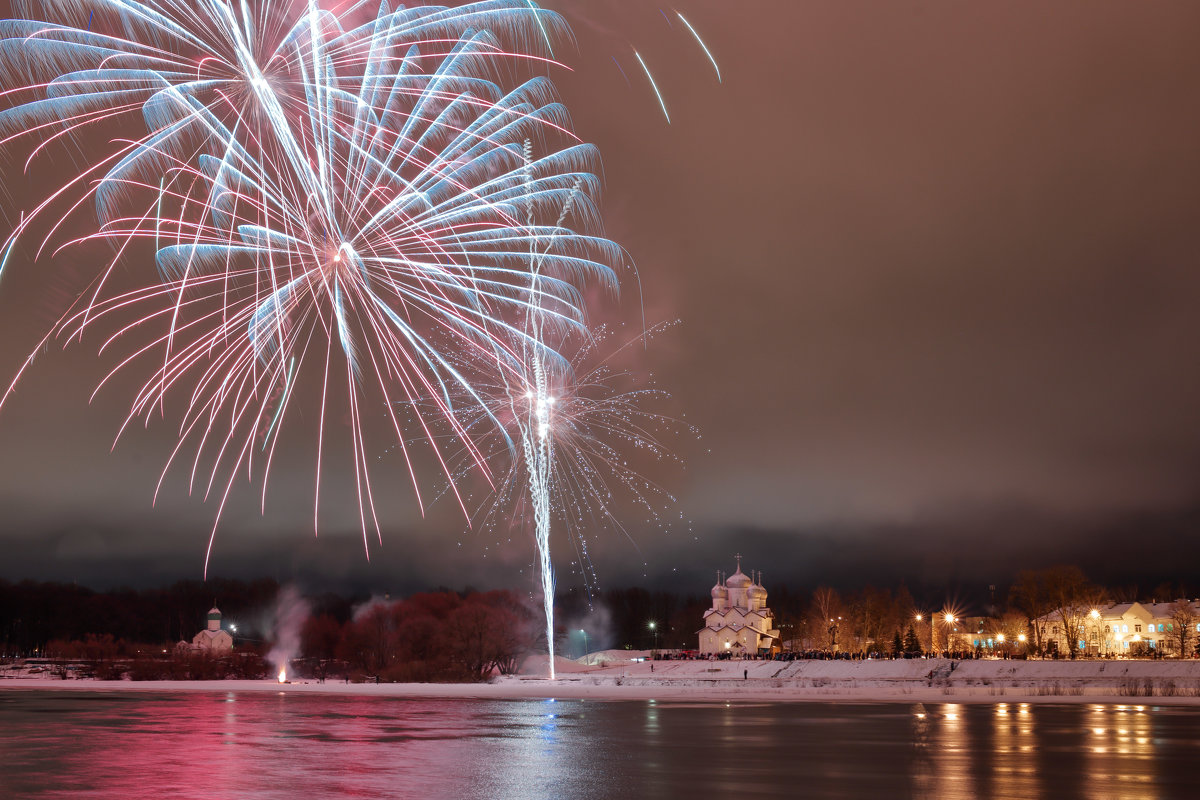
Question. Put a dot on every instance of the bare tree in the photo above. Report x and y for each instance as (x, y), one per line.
(870, 617)
(319, 639)
(1011, 625)
(827, 612)
(1184, 617)
(1062, 593)
(1073, 599)
(1030, 595)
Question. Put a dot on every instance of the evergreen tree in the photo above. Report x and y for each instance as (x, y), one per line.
(897, 644)
(912, 645)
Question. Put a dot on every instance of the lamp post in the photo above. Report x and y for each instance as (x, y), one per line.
(918, 636)
(1095, 615)
(654, 629)
(585, 644)
(950, 620)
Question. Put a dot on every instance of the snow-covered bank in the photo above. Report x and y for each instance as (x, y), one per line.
(618, 678)
(1121, 681)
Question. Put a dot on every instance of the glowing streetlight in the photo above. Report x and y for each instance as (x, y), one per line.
(585, 641)
(950, 620)
(654, 628)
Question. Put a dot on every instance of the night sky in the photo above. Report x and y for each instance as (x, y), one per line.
(937, 266)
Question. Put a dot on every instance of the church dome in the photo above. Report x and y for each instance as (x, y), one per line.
(738, 580)
(720, 591)
(757, 592)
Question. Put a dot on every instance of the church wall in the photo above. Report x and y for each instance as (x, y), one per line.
(743, 607)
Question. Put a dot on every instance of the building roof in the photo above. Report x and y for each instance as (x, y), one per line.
(739, 628)
(741, 612)
(211, 634)
(1166, 610)
(738, 580)
(1117, 611)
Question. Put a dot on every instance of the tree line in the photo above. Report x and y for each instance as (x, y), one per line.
(466, 635)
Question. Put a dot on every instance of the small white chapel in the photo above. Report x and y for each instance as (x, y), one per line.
(213, 639)
(739, 622)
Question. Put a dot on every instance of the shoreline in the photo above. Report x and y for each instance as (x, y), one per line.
(561, 690)
(936, 681)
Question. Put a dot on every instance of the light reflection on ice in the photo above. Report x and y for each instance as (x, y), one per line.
(262, 747)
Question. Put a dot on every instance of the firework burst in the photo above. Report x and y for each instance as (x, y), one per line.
(378, 219)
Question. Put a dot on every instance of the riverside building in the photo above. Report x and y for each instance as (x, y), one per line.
(739, 622)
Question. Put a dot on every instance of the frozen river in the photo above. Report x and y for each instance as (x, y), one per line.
(212, 746)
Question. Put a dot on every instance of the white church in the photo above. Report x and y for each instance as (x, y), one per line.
(739, 622)
(213, 639)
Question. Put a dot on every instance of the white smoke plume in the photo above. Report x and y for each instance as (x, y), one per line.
(291, 611)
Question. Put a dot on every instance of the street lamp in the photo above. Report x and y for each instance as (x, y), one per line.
(949, 621)
(654, 628)
(919, 617)
(1095, 615)
(585, 644)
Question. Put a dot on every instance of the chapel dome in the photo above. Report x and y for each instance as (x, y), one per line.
(720, 591)
(738, 580)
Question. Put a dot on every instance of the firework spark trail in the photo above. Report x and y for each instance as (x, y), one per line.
(536, 443)
(603, 420)
(374, 208)
(653, 85)
(712, 59)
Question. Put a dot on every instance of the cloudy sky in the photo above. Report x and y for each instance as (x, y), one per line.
(936, 266)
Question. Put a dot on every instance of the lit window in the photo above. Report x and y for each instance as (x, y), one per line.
(1160, 627)
(1137, 628)
(1124, 629)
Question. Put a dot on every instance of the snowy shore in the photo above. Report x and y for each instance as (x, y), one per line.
(616, 677)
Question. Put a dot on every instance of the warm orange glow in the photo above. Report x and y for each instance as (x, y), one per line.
(283, 674)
